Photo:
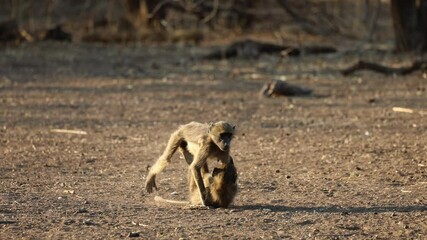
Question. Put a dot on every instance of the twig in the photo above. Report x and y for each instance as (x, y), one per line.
(79, 132)
(7, 222)
(159, 6)
(250, 48)
(402, 110)
(408, 110)
(212, 13)
(362, 65)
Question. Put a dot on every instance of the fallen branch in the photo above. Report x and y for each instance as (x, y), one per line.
(249, 48)
(7, 222)
(79, 132)
(362, 65)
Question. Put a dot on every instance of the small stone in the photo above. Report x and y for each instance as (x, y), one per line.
(268, 220)
(69, 191)
(88, 222)
(69, 222)
(82, 210)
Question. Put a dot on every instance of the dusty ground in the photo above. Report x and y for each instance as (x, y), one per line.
(337, 165)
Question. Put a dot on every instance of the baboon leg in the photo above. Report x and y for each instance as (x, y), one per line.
(191, 182)
(193, 188)
(185, 153)
(193, 192)
(173, 144)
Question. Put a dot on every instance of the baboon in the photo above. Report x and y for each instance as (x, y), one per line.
(198, 143)
(221, 185)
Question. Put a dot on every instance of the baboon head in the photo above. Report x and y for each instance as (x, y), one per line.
(222, 134)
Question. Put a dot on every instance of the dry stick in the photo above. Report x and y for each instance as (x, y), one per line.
(213, 13)
(362, 65)
(69, 131)
(158, 7)
(408, 110)
(7, 222)
(233, 49)
(402, 110)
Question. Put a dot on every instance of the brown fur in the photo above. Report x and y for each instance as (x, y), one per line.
(198, 142)
(221, 185)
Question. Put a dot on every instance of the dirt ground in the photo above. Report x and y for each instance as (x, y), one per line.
(340, 164)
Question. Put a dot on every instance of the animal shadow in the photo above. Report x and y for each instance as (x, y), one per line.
(334, 209)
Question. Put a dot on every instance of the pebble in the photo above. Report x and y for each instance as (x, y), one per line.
(88, 222)
(82, 210)
(133, 234)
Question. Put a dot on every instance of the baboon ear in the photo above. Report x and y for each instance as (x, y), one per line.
(210, 126)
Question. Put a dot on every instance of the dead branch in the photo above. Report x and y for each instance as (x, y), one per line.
(212, 13)
(250, 49)
(362, 65)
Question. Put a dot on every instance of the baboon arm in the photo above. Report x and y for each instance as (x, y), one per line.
(173, 144)
(150, 183)
(196, 169)
(200, 184)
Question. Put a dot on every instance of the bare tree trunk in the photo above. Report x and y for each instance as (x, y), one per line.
(409, 22)
(423, 23)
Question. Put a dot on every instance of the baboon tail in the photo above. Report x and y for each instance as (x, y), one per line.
(163, 200)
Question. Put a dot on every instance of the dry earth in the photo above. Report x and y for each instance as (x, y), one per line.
(338, 165)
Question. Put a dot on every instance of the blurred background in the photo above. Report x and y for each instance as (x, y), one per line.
(210, 21)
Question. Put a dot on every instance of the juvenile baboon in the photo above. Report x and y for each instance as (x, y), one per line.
(221, 185)
(198, 143)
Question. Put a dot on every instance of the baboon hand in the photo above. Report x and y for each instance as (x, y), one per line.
(150, 183)
(207, 199)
